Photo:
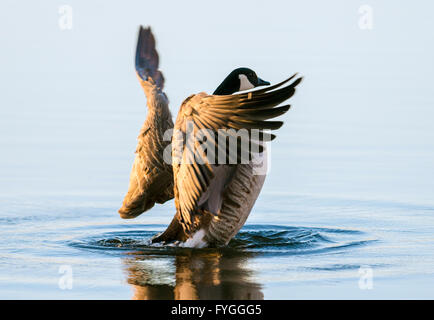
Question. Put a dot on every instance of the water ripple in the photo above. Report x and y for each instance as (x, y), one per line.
(261, 239)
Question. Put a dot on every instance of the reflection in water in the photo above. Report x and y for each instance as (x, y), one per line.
(192, 274)
(172, 272)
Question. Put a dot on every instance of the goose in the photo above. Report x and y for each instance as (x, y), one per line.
(213, 195)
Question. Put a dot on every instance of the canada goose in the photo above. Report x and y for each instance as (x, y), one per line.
(212, 199)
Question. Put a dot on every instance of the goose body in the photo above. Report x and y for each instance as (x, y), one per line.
(214, 179)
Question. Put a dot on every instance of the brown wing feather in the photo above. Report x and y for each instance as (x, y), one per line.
(151, 178)
(251, 110)
(147, 59)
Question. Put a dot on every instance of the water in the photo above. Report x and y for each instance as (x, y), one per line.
(316, 251)
(347, 210)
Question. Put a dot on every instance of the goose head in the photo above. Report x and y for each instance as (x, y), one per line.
(238, 80)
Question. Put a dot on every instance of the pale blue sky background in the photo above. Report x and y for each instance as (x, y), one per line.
(367, 96)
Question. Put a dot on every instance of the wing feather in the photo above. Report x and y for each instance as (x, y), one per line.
(248, 111)
(151, 178)
(147, 59)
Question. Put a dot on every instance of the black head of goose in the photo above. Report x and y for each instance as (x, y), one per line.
(239, 80)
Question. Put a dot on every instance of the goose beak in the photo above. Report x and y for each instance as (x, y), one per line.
(262, 82)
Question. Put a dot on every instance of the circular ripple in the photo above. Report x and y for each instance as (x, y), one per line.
(264, 239)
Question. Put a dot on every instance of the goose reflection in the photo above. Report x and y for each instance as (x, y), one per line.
(191, 275)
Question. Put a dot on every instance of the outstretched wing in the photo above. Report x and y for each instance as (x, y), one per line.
(151, 178)
(213, 116)
(147, 58)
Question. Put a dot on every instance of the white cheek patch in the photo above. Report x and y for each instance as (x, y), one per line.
(245, 84)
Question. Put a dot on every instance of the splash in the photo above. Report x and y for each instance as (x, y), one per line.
(262, 239)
